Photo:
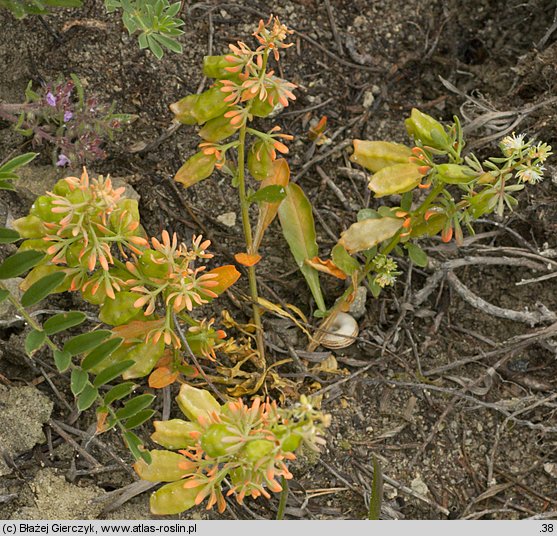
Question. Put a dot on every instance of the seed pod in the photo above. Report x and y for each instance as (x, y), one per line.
(164, 467)
(258, 449)
(120, 310)
(430, 227)
(174, 434)
(145, 355)
(212, 440)
(375, 155)
(262, 108)
(260, 160)
(395, 179)
(426, 129)
(196, 168)
(173, 498)
(196, 403)
(209, 104)
(153, 264)
(183, 110)
(455, 174)
(217, 129)
(367, 233)
(215, 67)
(30, 227)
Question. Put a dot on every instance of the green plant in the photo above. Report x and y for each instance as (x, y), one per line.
(156, 22)
(245, 89)
(60, 114)
(460, 189)
(83, 236)
(249, 446)
(22, 8)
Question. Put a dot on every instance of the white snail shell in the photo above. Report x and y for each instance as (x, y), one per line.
(341, 333)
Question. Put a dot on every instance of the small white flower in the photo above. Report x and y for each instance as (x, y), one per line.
(531, 174)
(513, 143)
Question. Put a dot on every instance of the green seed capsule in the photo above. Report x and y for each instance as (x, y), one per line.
(183, 110)
(455, 174)
(395, 179)
(426, 129)
(260, 161)
(217, 129)
(196, 168)
(209, 104)
(376, 155)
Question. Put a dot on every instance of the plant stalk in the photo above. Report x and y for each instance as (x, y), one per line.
(244, 204)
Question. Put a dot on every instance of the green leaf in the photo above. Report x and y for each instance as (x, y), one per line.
(134, 406)
(19, 263)
(18, 161)
(367, 213)
(296, 219)
(7, 236)
(34, 340)
(63, 321)
(376, 492)
(42, 288)
(406, 201)
(101, 352)
(139, 418)
(270, 194)
(155, 48)
(87, 341)
(344, 261)
(118, 392)
(62, 360)
(417, 255)
(79, 379)
(112, 372)
(5, 185)
(4, 294)
(169, 43)
(87, 397)
(133, 442)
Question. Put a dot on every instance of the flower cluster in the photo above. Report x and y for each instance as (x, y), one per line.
(244, 89)
(88, 231)
(527, 157)
(61, 115)
(247, 446)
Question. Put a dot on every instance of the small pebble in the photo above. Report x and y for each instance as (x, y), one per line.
(228, 219)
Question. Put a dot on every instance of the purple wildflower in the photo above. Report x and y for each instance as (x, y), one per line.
(50, 99)
(63, 160)
(67, 116)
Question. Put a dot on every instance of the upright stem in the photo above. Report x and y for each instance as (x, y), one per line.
(249, 244)
(283, 499)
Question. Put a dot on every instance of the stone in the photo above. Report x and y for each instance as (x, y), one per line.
(228, 219)
(419, 486)
(24, 411)
(358, 306)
